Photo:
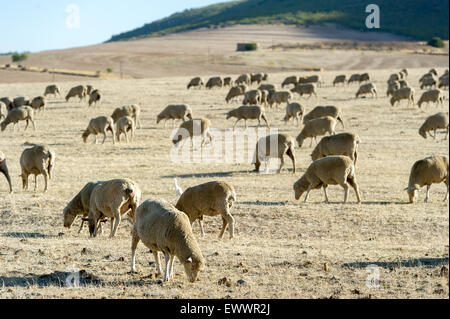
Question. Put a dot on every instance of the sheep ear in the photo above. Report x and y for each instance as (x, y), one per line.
(189, 259)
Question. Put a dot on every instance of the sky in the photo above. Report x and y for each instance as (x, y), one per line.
(37, 25)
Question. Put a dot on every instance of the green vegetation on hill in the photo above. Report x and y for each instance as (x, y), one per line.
(416, 19)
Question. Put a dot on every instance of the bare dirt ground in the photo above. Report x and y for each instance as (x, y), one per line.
(211, 51)
(282, 245)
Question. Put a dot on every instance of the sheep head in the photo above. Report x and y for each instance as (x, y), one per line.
(192, 266)
(412, 192)
(300, 187)
(69, 217)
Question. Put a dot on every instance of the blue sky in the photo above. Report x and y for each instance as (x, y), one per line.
(37, 25)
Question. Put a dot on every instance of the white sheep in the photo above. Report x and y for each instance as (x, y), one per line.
(246, 113)
(274, 146)
(37, 160)
(431, 96)
(339, 144)
(314, 79)
(322, 111)
(317, 127)
(175, 112)
(209, 199)
(214, 82)
(236, 91)
(94, 97)
(305, 88)
(4, 170)
(52, 90)
(113, 199)
(279, 97)
(80, 91)
(368, 88)
(23, 113)
(392, 87)
(243, 79)
(405, 93)
(252, 97)
(100, 125)
(295, 111)
(433, 123)
(332, 170)
(425, 172)
(133, 111)
(161, 227)
(125, 125)
(257, 77)
(191, 128)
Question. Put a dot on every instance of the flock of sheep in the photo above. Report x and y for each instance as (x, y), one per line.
(165, 228)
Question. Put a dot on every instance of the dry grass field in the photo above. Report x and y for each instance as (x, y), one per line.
(282, 245)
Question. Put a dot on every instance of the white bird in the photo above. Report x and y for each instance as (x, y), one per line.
(178, 189)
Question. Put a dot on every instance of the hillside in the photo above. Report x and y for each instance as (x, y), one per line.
(416, 19)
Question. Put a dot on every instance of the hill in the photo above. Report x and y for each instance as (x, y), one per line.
(416, 19)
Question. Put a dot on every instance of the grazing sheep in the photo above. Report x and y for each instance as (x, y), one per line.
(38, 103)
(94, 97)
(267, 87)
(290, 80)
(303, 89)
(433, 123)
(196, 82)
(191, 128)
(296, 111)
(425, 172)
(23, 113)
(210, 199)
(433, 71)
(252, 97)
(340, 79)
(100, 125)
(428, 82)
(161, 227)
(79, 206)
(236, 91)
(133, 111)
(354, 78)
(89, 89)
(175, 112)
(332, 170)
(317, 127)
(322, 111)
(436, 96)
(214, 82)
(2, 113)
(52, 90)
(274, 146)
(36, 161)
(279, 97)
(113, 199)
(339, 144)
(403, 83)
(443, 82)
(405, 93)
(314, 79)
(365, 77)
(20, 101)
(243, 79)
(394, 77)
(258, 78)
(368, 88)
(77, 91)
(245, 113)
(4, 170)
(228, 81)
(125, 125)
(392, 87)
(264, 97)
(8, 102)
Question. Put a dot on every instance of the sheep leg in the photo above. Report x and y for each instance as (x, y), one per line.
(35, 183)
(81, 227)
(158, 262)
(224, 227)
(26, 126)
(126, 136)
(346, 191)
(171, 274)
(104, 137)
(134, 242)
(246, 126)
(112, 224)
(234, 127)
(311, 142)
(355, 186)
(44, 172)
(281, 165)
(117, 218)
(168, 259)
(230, 220)
(200, 222)
(307, 193)
(326, 194)
(428, 194)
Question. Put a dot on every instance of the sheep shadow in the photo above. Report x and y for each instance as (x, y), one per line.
(263, 203)
(26, 235)
(206, 175)
(416, 262)
(55, 279)
(382, 203)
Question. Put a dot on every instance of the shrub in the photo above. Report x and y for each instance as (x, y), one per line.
(109, 70)
(18, 57)
(251, 47)
(436, 42)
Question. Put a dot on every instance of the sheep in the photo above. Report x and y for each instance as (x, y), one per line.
(267, 87)
(175, 112)
(365, 77)
(94, 97)
(209, 199)
(368, 88)
(196, 82)
(23, 113)
(245, 113)
(265, 77)
(8, 102)
(322, 111)
(279, 97)
(425, 172)
(314, 79)
(340, 79)
(100, 125)
(405, 93)
(394, 77)
(89, 89)
(264, 97)
(4, 170)
(52, 90)
(113, 199)
(77, 91)
(125, 125)
(339, 144)
(354, 78)
(290, 80)
(258, 78)
(433, 123)
(228, 81)
(428, 82)
(274, 146)
(162, 227)
(317, 127)
(296, 111)
(392, 87)
(37, 160)
(307, 88)
(252, 97)
(443, 82)
(332, 170)
(20, 101)
(38, 103)
(192, 128)
(236, 91)
(214, 82)
(405, 72)
(403, 83)
(243, 79)
(2, 114)
(133, 111)
(436, 96)
(79, 206)
(433, 71)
